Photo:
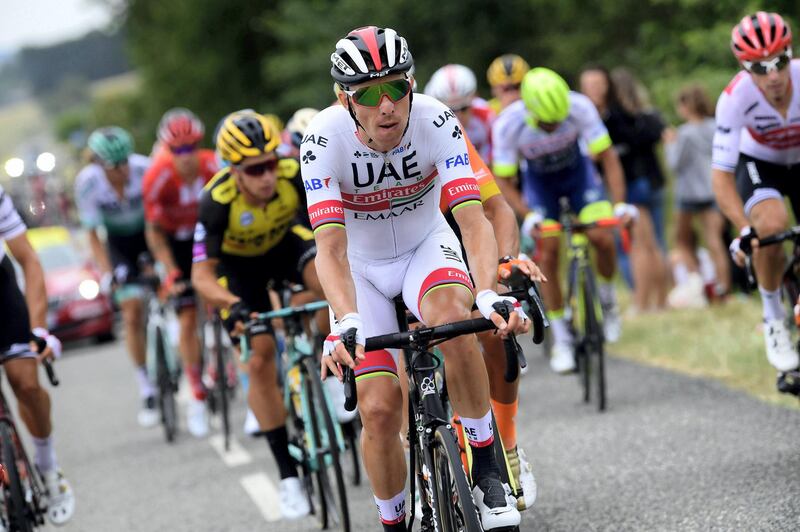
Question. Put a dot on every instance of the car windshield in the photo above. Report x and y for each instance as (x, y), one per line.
(58, 257)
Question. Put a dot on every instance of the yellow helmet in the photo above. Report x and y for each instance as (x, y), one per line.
(246, 134)
(508, 69)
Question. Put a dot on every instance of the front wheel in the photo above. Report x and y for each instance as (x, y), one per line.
(166, 389)
(594, 355)
(16, 508)
(326, 442)
(452, 493)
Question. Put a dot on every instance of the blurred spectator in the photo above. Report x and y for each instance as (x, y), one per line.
(688, 154)
(635, 130)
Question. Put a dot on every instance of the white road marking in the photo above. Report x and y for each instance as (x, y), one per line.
(236, 456)
(263, 494)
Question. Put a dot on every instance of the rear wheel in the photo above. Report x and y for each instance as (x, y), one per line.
(166, 389)
(221, 390)
(451, 489)
(330, 478)
(17, 509)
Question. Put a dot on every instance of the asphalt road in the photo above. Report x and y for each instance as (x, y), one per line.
(671, 453)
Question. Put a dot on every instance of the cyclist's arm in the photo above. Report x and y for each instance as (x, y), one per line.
(728, 199)
(35, 292)
(479, 242)
(513, 197)
(504, 224)
(99, 251)
(333, 270)
(159, 246)
(613, 173)
(204, 281)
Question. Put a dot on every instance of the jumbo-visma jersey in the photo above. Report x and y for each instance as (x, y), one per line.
(228, 225)
(387, 202)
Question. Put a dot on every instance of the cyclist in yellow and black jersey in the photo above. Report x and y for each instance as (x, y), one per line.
(246, 236)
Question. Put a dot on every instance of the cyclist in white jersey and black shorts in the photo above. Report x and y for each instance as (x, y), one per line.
(756, 160)
(375, 170)
(24, 318)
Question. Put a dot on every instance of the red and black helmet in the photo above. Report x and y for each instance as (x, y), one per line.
(179, 127)
(369, 53)
(760, 35)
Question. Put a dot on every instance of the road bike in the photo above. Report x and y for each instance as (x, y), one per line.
(316, 440)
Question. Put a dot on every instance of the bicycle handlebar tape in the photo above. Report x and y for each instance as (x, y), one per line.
(41, 345)
(348, 338)
(505, 309)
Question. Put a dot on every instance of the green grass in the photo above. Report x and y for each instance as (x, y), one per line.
(723, 342)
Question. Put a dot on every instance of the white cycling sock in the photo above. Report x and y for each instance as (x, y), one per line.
(607, 292)
(772, 304)
(392, 511)
(145, 386)
(45, 458)
(560, 330)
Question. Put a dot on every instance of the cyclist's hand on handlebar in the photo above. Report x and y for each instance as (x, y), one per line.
(743, 245)
(626, 213)
(524, 264)
(518, 322)
(172, 286)
(238, 314)
(52, 345)
(532, 224)
(335, 353)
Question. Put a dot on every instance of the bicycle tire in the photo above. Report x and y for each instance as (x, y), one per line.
(18, 511)
(221, 384)
(593, 343)
(166, 390)
(351, 430)
(451, 489)
(320, 408)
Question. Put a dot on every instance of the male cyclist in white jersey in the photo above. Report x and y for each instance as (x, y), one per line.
(374, 170)
(19, 358)
(756, 160)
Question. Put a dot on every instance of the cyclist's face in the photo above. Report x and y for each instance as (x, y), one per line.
(595, 85)
(775, 83)
(257, 177)
(187, 164)
(117, 174)
(384, 124)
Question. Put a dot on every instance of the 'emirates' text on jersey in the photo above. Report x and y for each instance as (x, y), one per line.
(387, 202)
(748, 124)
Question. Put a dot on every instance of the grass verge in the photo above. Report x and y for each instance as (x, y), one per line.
(724, 342)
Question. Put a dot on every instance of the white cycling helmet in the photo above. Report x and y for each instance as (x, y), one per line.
(296, 126)
(453, 85)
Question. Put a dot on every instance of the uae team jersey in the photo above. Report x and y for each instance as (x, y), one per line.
(387, 202)
(514, 137)
(748, 124)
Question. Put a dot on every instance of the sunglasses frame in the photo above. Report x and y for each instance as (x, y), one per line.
(183, 149)
(776, 64)
(270, 165)
(352, 93)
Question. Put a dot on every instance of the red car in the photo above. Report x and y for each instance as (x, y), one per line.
(76, 308)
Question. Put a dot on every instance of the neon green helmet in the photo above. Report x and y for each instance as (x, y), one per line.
(546, 95)
(111, 145)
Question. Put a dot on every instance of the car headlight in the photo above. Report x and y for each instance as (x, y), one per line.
(89, 289)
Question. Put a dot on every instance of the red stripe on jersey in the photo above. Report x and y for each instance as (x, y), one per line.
(326, 212)
(779, 138)
(382, 199)
(736, 79)
(461, 190)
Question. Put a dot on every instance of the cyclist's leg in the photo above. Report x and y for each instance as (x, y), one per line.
(437, 290)
(130, 303)
(713, 223)
(761, 189)
(379, 397)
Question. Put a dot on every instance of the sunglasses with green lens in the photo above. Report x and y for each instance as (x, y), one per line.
(371, 96)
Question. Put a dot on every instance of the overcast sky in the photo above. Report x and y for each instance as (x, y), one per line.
(42, 22)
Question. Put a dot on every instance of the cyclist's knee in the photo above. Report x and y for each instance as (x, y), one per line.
(26, 388)
(766, 226)
(380, 407)
(446, 305)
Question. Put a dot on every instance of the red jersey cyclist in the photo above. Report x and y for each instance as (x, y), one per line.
(172, 188)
